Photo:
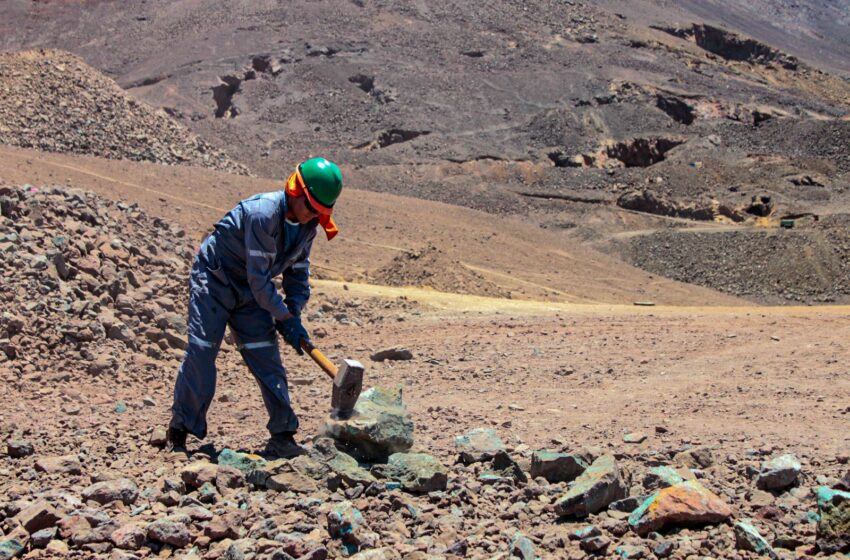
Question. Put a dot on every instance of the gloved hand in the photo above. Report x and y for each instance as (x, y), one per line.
(292, 332)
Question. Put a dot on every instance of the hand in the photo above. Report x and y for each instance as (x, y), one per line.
(292, 332)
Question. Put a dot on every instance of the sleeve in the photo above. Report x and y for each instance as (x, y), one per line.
(296, 283)
(260, 248)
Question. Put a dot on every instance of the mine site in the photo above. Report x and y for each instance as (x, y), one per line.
(414, 280)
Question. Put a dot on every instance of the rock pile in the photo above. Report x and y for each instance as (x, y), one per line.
(53, 101)
(85, 281)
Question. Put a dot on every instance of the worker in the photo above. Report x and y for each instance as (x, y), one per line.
(231, 283)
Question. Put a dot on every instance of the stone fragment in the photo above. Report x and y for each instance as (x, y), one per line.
(630, 552)
(122, 489)
(833, 529)
(522, 547)
(594, 490)
(393, 353)
(42, 537)
(66, 464)
(634, 437)
(503, 467)
(479, 444)
(683, 504)
(228, 478)
(225, 526)
(128, 537)
(595, 545)
(695, 458)
(290, 480)
(350, 471)
(779, 472)
(57, 548)
(197, 474)
(379, 427)
(10, 548)
(169, 531)
(418, 473)
(159, 437)
(18, 449)
(345, 522)
(664, 549)
(37, 516)
(665, 476)
(556, 467)
(747, 537)
(245, 462)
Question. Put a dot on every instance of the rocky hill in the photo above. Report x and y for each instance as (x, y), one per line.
(53, 101)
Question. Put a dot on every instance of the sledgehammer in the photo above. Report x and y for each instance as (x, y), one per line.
(347, 381)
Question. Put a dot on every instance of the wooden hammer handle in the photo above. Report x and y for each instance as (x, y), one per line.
(324, 363)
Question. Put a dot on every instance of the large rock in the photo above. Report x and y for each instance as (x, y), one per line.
(419, 473)
(695, 458)
(39, 515)
(478, 444)
(503, 467)
(66, 464)
(833, 533)
(665, 476)
(349, 470)
(683, 504)
(288, 479)
(122, 489)
(169, 531)
(379, 427)
(199, 473)
(129, 537)
(245, 462)
(779, 473)
(556, 467)
(594, 490)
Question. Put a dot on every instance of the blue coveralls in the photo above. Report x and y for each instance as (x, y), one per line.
(231, 284)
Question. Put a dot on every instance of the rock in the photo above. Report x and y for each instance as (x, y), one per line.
(169, 531)
(379, 427)
(634, 437)
(57, 548)
(556, 467)
(748, 538)
(504, 468)
(10, 548)
(228, 478)
(418, 473)
(394, 353)
(159, 437)
(288, 479)
(18, 449)
(225, 526)
(629, 552)
(522, 547)
(37, 516)
(595, 545)
(683, 504)
(245, 462)
(591, 492)
(695, 458)
(664, 549)
(128, 537)
(66, 464)
(197, 474)
(833, 529)
(349, 470)
(345, 522)
(844, 483)
(122, 489)
(779, 473)
(665, 476)
(479, 444)
(41, 538)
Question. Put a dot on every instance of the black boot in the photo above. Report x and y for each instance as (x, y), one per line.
(175, 439)
(283, 446)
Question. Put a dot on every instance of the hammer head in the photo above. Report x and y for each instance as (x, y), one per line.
(346, 389)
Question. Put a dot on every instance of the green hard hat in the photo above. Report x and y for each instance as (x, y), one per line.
(323, 179)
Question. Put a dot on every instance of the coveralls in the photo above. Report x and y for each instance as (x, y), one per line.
(232, 284)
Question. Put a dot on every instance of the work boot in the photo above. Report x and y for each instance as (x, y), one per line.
(283, 446)
(175, 439)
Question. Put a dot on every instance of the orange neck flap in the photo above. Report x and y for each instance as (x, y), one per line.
(295, 188)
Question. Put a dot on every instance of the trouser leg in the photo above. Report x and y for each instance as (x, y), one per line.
(195, 385)
(257, 339)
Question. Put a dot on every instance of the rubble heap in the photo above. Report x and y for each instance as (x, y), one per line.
(53, 101)
(85, 281)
